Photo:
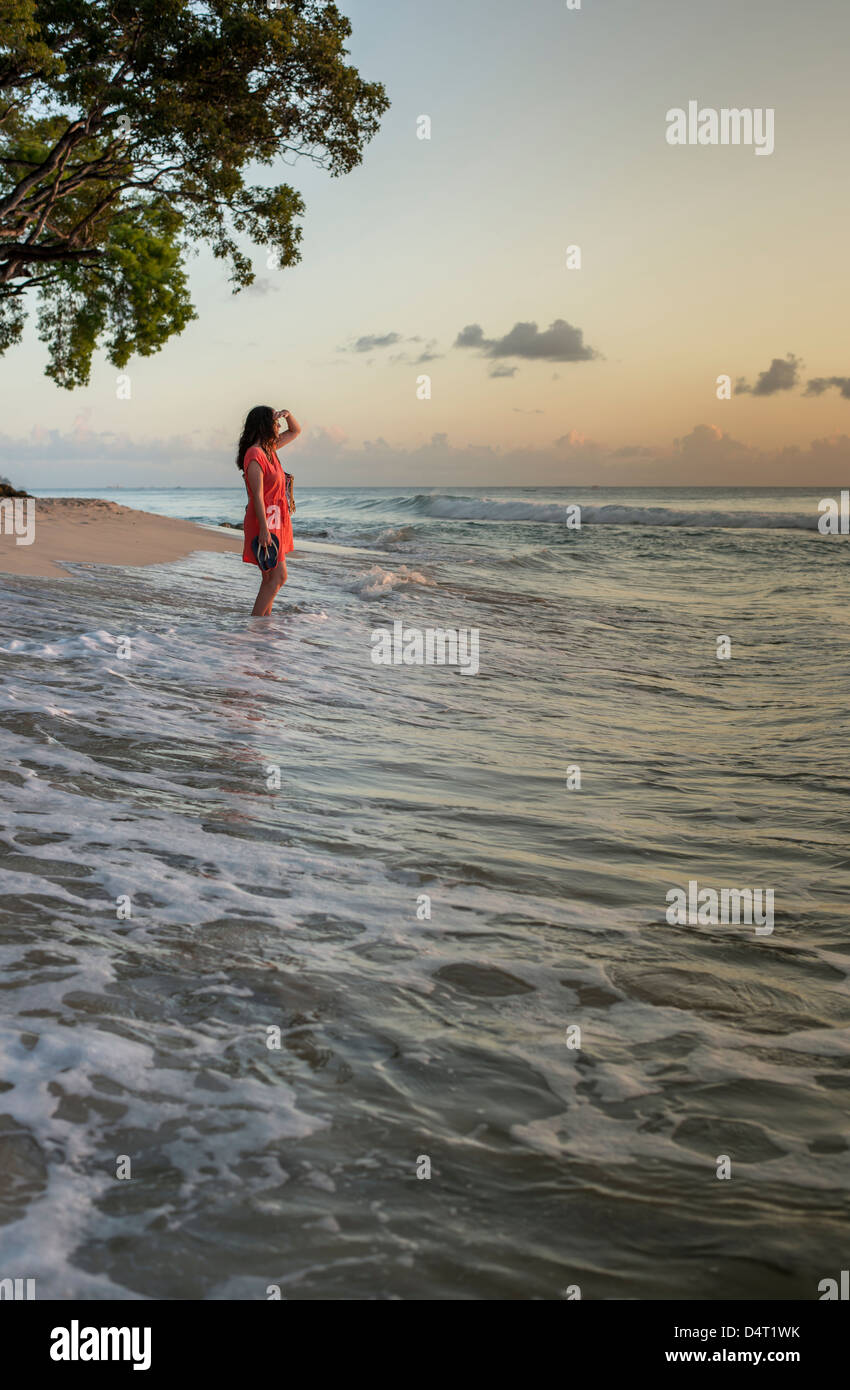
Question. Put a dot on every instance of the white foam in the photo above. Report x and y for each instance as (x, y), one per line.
(377, 581)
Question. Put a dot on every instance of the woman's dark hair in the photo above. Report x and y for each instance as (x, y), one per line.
(258, 429)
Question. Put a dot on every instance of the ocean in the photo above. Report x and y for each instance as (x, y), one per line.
(358, 981)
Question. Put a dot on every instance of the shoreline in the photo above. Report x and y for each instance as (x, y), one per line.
(92, 531)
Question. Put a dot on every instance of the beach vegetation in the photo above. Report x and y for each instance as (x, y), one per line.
(133, 134)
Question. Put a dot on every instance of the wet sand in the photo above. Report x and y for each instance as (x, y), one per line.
(88, 530)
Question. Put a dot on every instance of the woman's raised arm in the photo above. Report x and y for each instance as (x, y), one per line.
(287, 436)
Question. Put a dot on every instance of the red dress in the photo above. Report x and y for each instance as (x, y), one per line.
(274, 499)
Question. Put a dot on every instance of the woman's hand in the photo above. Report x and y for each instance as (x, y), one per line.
(264, 536)
(292, 424)
(285, 436)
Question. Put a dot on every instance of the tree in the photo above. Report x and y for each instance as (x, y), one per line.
(126, 132)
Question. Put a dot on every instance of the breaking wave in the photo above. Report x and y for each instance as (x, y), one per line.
(455, 508)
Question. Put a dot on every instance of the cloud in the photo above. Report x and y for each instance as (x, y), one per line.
(819, 384)
(471, 336)
(781, 375)
(82, 457)
(571, 440)
(261, 286)
(560, 342)
(369, 341)
(784, 373)
(709, 447)
(824, 460)
(325, 456)
(328, 438)
(426, 355)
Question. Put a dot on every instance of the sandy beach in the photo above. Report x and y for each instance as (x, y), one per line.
(88, 530)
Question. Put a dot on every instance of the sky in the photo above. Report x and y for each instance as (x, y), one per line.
(447, 257)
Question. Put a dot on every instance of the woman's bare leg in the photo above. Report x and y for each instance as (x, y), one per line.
(262, 600)
(271, 582)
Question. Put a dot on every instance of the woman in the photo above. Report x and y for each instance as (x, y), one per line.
(267, 514)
